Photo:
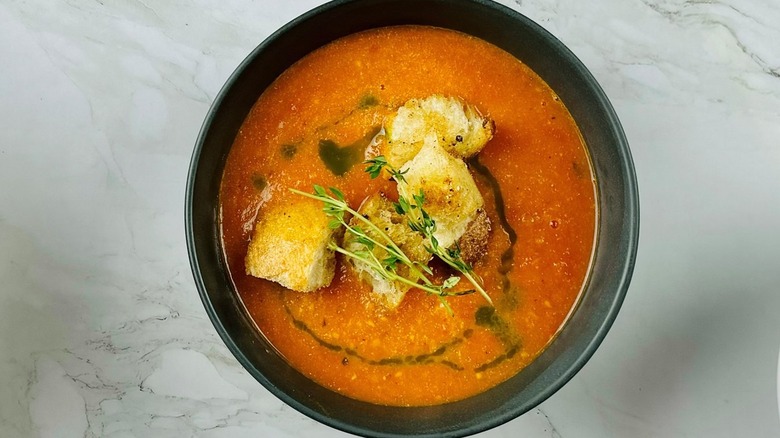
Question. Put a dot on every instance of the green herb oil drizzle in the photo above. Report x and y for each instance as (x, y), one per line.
(430, 358)
(507, 257)
(340, 159)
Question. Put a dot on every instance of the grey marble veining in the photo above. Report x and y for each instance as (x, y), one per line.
(102, 332)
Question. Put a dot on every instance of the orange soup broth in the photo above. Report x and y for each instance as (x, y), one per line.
(417, 354)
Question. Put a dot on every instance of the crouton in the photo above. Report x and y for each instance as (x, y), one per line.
(380, 211)
(289, 245)
(451, 195)
(461, 129)
(473, 242)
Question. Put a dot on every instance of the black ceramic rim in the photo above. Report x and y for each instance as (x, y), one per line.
(552, 377)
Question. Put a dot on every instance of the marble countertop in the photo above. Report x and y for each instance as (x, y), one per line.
(101, 329)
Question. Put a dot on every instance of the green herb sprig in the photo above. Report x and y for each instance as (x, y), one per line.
(375, 166)
(420, 221)
(336, 207)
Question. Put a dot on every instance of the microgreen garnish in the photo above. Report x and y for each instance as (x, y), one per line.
(420, 221)
(375, 166)
(336, 207)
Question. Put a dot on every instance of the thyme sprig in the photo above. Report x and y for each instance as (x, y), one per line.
(375, 166)
(419, 220)
(336, 207)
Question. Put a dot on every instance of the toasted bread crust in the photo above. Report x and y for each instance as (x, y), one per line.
(380, 211)
(473, 243)
(451, 195)
(289, 246)
(461, 129)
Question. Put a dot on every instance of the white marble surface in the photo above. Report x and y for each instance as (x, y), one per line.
(101, 329)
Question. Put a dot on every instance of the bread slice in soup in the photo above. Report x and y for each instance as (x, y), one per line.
(289, 245)
(461, 129)
(451, 195)
(380, 211)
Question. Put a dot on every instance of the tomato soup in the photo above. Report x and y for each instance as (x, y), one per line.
(535, 177)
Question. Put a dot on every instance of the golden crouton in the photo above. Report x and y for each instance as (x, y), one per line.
(380, 211)
(451, 195)
(289, 246)
(461, 129)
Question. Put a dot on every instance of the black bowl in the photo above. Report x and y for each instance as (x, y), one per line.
(618, 221)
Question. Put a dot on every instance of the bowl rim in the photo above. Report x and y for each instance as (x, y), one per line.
(624, 276)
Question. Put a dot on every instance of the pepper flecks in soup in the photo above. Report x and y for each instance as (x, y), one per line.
(531, 215)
